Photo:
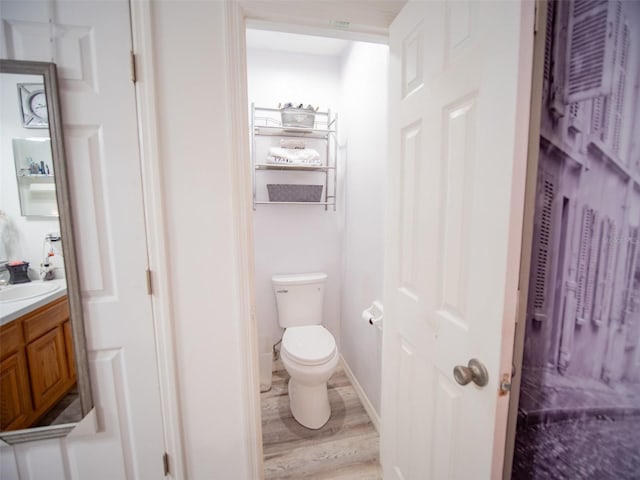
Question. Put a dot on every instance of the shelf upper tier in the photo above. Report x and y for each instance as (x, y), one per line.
(271, 126)
(284, 166)
(278, 110)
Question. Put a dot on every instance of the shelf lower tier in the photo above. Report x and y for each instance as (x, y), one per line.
(293, 203)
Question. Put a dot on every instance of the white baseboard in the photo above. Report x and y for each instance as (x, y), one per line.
(368, 406)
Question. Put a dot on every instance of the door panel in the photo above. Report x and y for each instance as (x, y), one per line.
(448, 410)
(91, 44)
(454, 83)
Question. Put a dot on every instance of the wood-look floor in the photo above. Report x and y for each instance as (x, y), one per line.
(347, 447)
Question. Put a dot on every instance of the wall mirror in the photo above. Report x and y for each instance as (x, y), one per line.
(44, 376)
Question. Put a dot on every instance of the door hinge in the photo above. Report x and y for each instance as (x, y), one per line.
(165, 463)
(505, 384)
(134, 73)
(149, 284)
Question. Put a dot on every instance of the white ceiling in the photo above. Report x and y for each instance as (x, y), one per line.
(364, 16)
(295, 43)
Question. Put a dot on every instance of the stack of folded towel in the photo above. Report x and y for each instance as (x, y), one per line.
(294, 156)
(292, 143)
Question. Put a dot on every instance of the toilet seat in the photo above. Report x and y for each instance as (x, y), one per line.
(309, 345)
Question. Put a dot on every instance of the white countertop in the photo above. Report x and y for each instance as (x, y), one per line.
(9, 311)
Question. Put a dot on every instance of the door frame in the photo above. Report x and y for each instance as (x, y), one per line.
(155, 226)
(239, 14)
(290, 16)
(533, 152)
(247, 12)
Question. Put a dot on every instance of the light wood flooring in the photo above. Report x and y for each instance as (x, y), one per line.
(347, 447)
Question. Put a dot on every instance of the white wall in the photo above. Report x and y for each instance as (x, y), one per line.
(22, 237)
(347, 244)
(196, 165)
(363, 131)
(295, 238)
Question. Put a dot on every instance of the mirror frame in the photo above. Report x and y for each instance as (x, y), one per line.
(50, 80)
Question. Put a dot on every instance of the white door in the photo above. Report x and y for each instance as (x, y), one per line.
(456, 176)
(91, 43)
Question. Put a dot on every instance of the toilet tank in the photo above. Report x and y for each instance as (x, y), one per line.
(299, 298)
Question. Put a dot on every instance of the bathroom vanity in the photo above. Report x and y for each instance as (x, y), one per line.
(37, 366)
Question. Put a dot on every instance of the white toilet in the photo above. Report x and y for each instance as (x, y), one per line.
(308, 350)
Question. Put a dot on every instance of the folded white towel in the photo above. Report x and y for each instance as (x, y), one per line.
(278, 160)
(304, 156)
(291, 143)
(286, 161)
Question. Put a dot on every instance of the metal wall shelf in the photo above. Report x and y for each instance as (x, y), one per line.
(265, 122)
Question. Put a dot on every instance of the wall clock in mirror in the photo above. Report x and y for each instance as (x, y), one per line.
(33, 105)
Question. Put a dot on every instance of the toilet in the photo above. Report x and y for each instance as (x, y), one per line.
(308, 350)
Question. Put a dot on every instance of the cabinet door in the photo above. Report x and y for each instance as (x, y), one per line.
(48, 367)
(16, 399)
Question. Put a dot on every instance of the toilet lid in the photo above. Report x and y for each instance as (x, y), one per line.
(309, 345)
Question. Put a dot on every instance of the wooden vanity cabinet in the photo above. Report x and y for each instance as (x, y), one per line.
(36, 359)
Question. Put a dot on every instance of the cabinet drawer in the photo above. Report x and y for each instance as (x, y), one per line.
(44, 319)
(10, 339)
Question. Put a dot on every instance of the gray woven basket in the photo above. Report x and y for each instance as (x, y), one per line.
(281, 192)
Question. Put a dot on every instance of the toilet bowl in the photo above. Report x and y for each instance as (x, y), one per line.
(309, 355)
(308, 350)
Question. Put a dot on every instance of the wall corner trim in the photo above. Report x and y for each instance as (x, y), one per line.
(235, 27)
(366, 403)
